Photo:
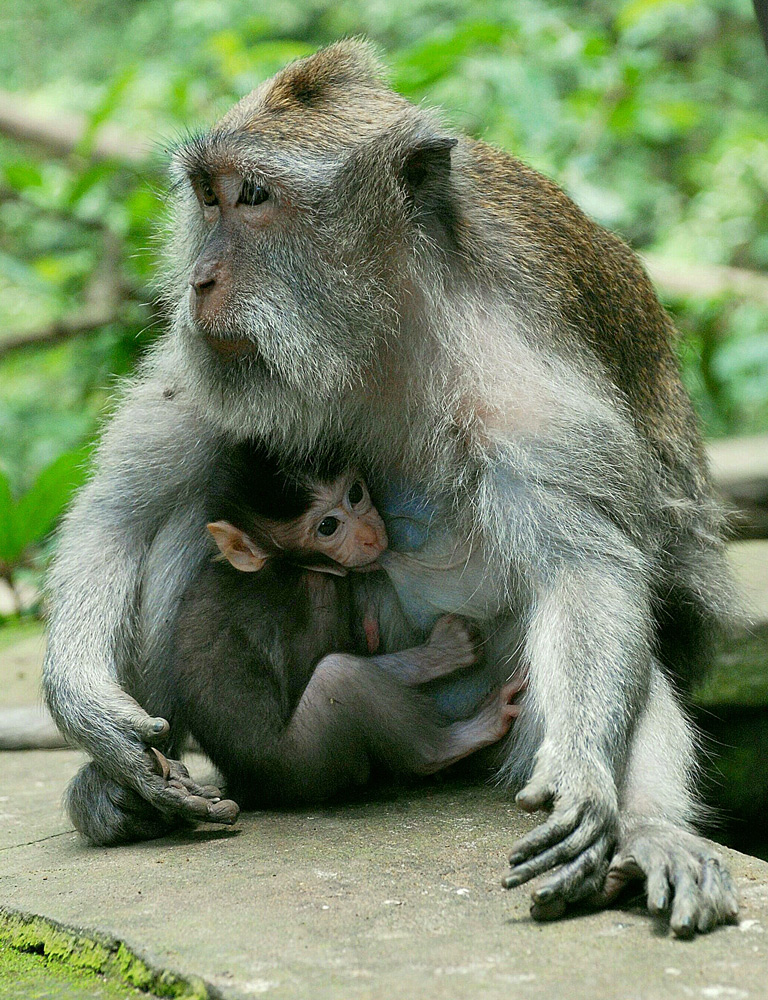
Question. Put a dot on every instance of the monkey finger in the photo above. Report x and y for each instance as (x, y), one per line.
(580, 849)
(552, 910)
(150, 730)
(584, 892)
(192, 806)
(658, 891)
(210, 791)
(685, 905)
(535, 796)
(559, 826)
(719, 901)
(224, 811)
(568, 882)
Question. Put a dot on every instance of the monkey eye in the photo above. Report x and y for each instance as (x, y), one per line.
(328, 526)
(355, 494)
(252, 194)
(208, 194)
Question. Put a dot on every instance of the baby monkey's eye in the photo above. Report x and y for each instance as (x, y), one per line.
(327, 526)
(252, 194)
(356, 493)
(208, 194)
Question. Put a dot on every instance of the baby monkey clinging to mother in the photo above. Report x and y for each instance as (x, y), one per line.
(275, 677)
(345, 267)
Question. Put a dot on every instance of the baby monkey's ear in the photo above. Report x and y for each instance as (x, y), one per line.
(237, 548)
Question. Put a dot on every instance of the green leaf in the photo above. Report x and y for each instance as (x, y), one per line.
(105, 109)
(38, 510)
(82, 183)
(635, 10)
(21, 174)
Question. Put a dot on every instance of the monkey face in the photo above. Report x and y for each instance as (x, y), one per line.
(341, 523)
(299, 222)
(351, 532)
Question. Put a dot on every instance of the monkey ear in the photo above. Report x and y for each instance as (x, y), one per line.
(427, 160)
(237, 548)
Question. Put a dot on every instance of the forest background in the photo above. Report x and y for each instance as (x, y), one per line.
(652, 114)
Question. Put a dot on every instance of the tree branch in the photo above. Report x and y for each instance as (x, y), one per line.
(61, 330)
(62, 134)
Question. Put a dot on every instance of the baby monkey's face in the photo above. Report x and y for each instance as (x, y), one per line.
(342, 523)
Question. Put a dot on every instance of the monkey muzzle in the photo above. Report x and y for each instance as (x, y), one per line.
(230, 347)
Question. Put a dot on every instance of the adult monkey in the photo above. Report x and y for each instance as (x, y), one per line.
(359, 274)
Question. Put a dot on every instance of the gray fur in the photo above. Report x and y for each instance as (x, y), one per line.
(475, 334)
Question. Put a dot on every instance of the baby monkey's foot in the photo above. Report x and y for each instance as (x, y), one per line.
(178, 795)
(493, 719)
(487, 726)
(452, 645)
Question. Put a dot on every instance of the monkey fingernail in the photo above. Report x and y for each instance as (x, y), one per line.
(160, 763)
(225, 811)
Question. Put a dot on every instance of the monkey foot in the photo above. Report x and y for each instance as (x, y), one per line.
(452, 645)
(685, 881)
(490, 723)
(175, 793)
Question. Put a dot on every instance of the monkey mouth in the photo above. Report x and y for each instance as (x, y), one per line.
(231, 346)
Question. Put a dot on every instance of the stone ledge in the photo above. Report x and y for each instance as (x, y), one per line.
(397, 897)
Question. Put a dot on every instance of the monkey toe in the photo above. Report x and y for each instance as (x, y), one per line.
(456, 640)
(685, 881)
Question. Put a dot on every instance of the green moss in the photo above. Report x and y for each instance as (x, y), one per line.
(739, 676)
(69, 954)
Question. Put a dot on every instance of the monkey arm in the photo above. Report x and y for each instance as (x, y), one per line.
(581, 584)
(588, 653)
(101, 616)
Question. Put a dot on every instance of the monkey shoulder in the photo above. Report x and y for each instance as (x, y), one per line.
(603, 303)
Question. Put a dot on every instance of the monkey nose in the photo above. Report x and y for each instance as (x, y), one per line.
(367, 535)
(204, 277)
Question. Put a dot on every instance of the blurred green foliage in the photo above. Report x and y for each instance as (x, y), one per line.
(653, 114)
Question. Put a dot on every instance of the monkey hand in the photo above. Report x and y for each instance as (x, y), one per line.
(578, 839)
(685, 881)
(176, 795)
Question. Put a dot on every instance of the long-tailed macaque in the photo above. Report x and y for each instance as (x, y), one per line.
(264, 665)
(343, 266)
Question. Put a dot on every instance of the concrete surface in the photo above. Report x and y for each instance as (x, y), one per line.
(398, 897)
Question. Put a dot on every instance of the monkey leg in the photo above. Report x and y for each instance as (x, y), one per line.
(686, 881)
(351, 713)
(108, 813)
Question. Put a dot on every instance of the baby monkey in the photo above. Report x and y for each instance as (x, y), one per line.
(339, 529)
(271, 670)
